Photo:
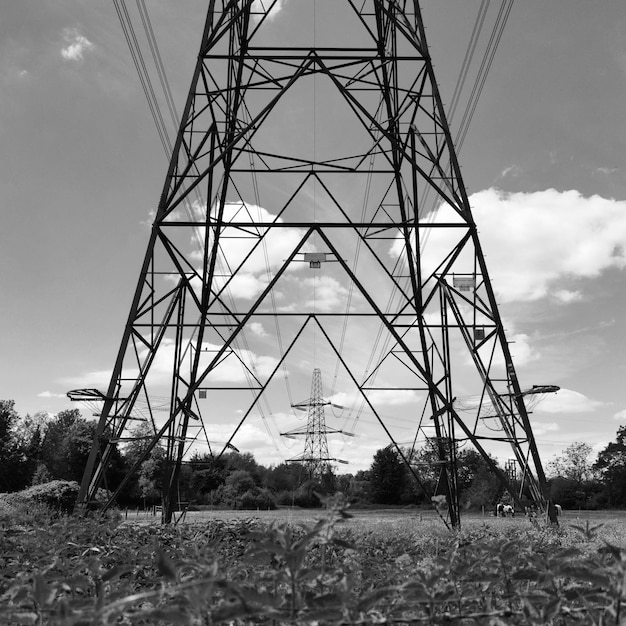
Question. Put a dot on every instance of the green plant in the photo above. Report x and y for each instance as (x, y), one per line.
(79, 570)
(58, 495)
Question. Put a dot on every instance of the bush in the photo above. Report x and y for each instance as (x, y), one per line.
(256, 499)
(15, 512)
(306, 498)
(58, 495)
(285, 498)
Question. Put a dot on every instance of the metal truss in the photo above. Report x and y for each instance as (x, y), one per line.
(310, 159)
(315, 458)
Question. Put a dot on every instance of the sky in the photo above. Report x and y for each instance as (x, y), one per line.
(81, 170)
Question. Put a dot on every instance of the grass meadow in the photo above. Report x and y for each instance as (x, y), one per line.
(291, 566)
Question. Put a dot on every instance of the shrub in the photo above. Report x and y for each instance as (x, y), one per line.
(285, 497)
(256, 499)
(58, 495)
(17, 512)
(306, 497)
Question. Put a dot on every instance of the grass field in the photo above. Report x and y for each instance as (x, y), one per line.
(612, 524)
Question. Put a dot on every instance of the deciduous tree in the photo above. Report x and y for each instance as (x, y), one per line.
(152, 475)
(9, 450)
(387, 476)
(574, 463)
(611, 463)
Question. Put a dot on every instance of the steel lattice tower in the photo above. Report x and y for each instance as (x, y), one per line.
(316, 165)
(315, 458)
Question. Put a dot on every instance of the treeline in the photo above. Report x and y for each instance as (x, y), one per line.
(580, 481)
(40, 448)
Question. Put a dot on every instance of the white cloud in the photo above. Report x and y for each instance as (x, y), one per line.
(522, 352)
(244, 286)
(229, 370)
(543, 428)
(393, 397)
(95, 379)
(598, 447)
(606, 171)
(269, 7)
(566, 296)
(250, 258)
(328, 293)
(257, 329)
(389, 397)
(49, 394)
(536, 242)
(77, 45)
(620, 415)
(262, 439)
(568, 401)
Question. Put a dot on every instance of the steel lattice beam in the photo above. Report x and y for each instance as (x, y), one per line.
(341, 149)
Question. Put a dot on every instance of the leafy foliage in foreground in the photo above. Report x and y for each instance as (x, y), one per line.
(79, 571)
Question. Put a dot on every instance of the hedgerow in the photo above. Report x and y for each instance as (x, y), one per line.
(74, 571)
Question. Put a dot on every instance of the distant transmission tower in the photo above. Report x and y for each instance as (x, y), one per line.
(315, 458)
(314, 204)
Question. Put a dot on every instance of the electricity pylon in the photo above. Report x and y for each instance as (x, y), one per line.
(315, 458)
(314, 137)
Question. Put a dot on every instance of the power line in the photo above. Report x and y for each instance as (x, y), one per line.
(483, 71)
(142, 72)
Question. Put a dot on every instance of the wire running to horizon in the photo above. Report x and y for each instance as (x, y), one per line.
(142, 71)
(483, 71)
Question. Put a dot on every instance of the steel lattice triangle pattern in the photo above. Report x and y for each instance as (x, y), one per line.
(314, 215)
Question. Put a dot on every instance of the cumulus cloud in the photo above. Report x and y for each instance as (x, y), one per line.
(393, 397)
(568, 401)
(536, 242)
(244, 253)
(328, 293)
(98, 379)
(258, 329)
(566, 296)
(76, 45)
(251, 437)
(544, 428)
(522, 352)
(50, 394)
(271, 8)
(522, 349)
(231, 369)
(389, 397)
(606, 171)
(244, 285)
